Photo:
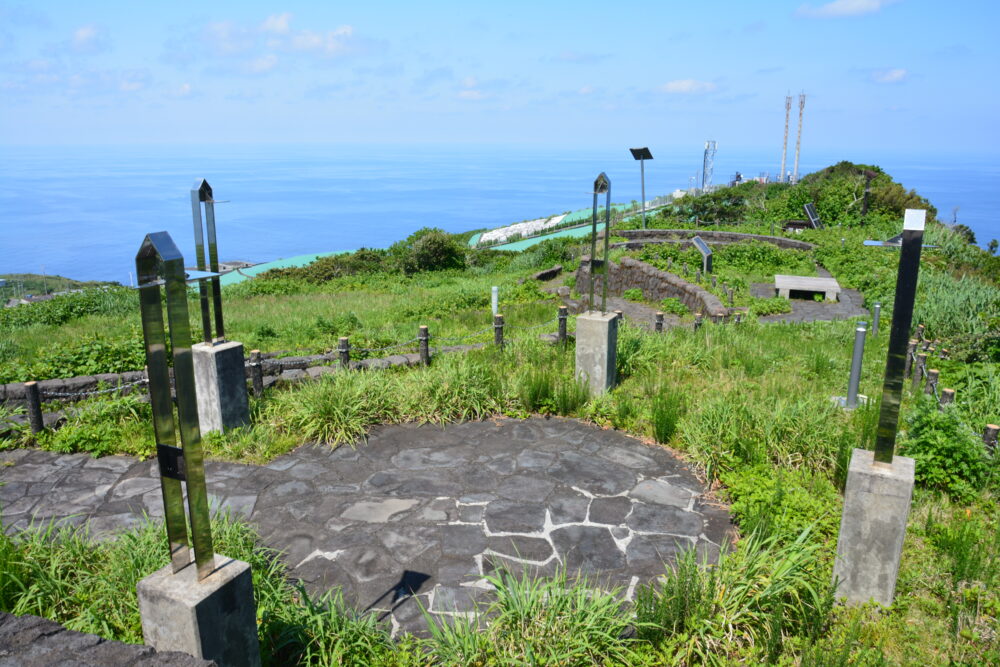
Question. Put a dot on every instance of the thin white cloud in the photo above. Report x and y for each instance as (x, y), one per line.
(687, 87)
(263, 64)
(586, 90)
(471, 95)
(893, 75)
(277, 23)
(842, 8)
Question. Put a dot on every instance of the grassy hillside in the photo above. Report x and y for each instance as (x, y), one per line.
(36, 283)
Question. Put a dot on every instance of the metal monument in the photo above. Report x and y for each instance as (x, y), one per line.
(160, 264)
(899, 332)
(602, 185)
(813, 216)
(706, 254)
(208, 288)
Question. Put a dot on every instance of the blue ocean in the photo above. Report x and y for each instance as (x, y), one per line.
(82, 212)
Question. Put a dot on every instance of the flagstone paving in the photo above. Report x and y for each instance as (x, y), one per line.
(417, 516)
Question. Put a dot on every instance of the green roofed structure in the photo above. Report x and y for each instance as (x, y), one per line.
(239, 275)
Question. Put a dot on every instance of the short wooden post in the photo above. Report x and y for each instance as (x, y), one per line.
(932, 380)
(729, 293)
(659, 322)
(619, 314)
(498, 330)
(713, 282)
(563, 317)
(911, 351)
(990, 434)
(947, 396)
(256, 373)
(670, 263)
(423, 338)
(697, 275)
(697, 321)
(33, 398)
(920, 370)
(344, 348)
(920, 332)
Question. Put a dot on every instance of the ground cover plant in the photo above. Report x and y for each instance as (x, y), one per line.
(749, 405)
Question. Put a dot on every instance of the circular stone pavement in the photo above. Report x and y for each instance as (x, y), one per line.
(419, 514)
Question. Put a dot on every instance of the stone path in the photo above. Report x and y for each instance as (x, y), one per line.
(851, 304)
(418, 514)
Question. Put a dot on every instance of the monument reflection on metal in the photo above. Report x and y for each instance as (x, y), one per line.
(706, 254)
(899, 333)
(602, 185)
(160, 264)
(208, 288)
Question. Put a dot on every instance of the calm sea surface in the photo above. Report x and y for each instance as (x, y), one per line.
(83, 212)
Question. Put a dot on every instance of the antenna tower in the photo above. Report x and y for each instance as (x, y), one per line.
(707, 165)
(798, 139)
(784, 143)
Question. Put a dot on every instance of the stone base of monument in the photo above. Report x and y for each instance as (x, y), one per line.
(872, 527)
(841, 401)
(214, 618)
(596, 350)
(221, 385)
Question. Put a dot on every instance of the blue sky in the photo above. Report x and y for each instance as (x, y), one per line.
(899, 76)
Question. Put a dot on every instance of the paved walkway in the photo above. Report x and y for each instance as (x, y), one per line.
(418, 514)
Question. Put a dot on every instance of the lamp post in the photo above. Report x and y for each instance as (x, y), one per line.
(642, 154)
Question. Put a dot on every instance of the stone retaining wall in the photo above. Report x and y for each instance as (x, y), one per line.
(655, 285)
(639, 237)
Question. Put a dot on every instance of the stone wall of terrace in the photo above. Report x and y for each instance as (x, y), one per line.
(640, 237)
(655, 285)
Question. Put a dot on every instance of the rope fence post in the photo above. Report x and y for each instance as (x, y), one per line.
(498, 330)
(563, 316)
(911, 351)
(659, 322)
(423, 336)
(947, 397)
(620, 315)
(344, 348)
(990, 434)
(932, 380)
(729, 293)
(256, 373)
(33, 398)
(697, 321)
(920, 370)
(920, 332)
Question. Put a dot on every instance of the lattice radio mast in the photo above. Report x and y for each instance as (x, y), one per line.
(798, 139)
(784, 143)
(708, 165)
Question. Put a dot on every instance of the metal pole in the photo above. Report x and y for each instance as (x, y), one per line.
(213, 265)
(495, 299)
(899, 333)
(593, 254)
(856, 359)
(642, 170)
(199, 255)
(875, 318)
(607, 237)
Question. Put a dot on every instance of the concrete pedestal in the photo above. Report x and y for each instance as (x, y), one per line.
(872, 527)
(214, 618)
(221, 384)
(596, 350)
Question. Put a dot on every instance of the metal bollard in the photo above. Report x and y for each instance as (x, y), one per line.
(920, 371)
(875, 318)
(498, 330)
(423, 337)
(563, 316)
(256, 373)
(990, 434)
(33, 398)
(947, 396)
(859, 352)
(911, 350)
(932, 380)
(344, 348)
(659, 322)
(495, 299)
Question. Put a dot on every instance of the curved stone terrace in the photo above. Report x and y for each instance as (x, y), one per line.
(418, 516)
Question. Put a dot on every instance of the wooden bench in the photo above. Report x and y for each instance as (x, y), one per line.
(783, 286)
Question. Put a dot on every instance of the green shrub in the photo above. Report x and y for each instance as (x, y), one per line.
(633, 294)
(674, 306)
(570, 395)
(536, 390)
(783, 502)
(113, 301)
(949, 457)
(89, 356)
(666, 410)
(105, 425)
(773, 306)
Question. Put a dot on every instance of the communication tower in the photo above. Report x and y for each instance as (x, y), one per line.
(707, 165)
(784, 143)
(798, 139)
